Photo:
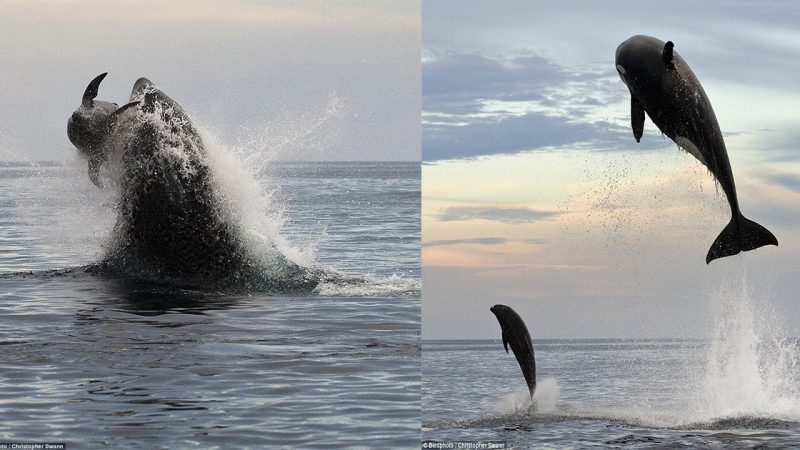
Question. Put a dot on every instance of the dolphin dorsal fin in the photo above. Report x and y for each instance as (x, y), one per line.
(505, 339)
(91, 91)
(666, 55)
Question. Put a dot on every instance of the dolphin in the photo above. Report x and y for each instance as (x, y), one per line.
(90, 126)
(663, 85)
(516, 334)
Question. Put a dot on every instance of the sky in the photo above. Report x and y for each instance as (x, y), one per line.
(309, 80)
(536, 195)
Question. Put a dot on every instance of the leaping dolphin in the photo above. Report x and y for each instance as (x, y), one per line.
(663, 85)
(515, 333)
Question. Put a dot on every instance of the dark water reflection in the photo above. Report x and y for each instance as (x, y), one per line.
(94, 368)
(99, 362)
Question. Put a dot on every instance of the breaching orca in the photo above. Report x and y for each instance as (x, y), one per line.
(173, 223)
(663, 85)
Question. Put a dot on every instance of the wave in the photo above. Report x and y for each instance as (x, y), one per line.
(527, 420)
(338, 285)
(327, 282)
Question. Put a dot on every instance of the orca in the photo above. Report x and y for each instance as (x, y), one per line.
(173, 223)
(662, 85)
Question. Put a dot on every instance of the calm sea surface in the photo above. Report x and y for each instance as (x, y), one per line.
(97, 362)
(615, 394)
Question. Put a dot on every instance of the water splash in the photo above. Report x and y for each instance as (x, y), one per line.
(545, 399)
(546, 395)
(64, 229)
(249, 202)
(313, 132)
(751, 366)
(338, 285)
(515, 402)
(310, 134)
(238, 166)
(243, 172)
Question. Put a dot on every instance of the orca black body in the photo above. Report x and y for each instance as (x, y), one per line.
(173, 224)
(515, 334)
(662, 85)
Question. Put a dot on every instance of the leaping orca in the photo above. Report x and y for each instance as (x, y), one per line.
(663, 85)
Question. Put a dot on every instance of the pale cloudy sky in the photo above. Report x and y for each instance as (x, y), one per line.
(336, 80)
(536, 195)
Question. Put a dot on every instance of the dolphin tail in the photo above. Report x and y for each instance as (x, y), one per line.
(528, 365)
(740, 236)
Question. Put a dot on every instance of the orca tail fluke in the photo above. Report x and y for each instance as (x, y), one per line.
(740, 236)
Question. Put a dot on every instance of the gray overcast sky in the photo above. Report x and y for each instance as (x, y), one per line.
(336, 80)
(538, 196)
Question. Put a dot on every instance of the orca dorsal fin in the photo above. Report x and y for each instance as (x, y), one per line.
(666, 55)
(91, 90)
(505, 339)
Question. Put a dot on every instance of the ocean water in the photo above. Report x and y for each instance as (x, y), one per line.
(101, 362)
(739, 388)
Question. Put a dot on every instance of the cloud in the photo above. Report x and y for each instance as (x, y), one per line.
(479, 241)
(455, 80)
(516, 134)
(475, 105)
(508, 215)
(790, 181)
(477, 55)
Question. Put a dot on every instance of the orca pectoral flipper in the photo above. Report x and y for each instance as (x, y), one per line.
(637, 118)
